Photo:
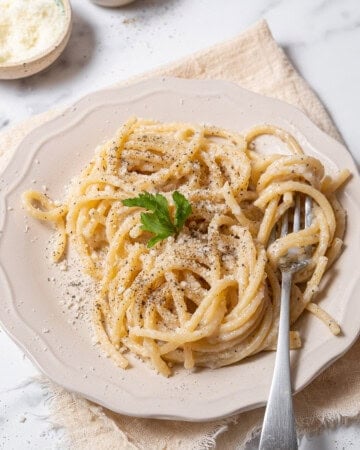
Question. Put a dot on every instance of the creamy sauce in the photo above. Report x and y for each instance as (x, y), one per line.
(28, 27)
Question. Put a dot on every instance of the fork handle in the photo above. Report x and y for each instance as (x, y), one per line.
(278, 431)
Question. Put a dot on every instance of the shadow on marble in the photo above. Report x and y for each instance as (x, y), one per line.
(289, 54)
(73, 60)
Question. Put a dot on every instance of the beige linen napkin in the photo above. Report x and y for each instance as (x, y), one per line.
(255, 61)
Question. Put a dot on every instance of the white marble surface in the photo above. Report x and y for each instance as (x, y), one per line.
(322, 38)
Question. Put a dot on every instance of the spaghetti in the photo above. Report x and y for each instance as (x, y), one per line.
(210, 295)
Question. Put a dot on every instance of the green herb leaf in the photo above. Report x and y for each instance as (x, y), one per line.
(153, 222)
(183, 209)
(153, 241)
(159, 221)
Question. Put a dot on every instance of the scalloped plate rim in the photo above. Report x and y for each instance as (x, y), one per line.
(157, 85)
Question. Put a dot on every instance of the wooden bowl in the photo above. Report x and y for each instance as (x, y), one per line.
(25, 68)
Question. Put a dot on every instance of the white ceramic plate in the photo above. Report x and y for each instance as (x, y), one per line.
(30, 310)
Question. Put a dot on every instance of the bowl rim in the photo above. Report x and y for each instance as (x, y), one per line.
(115, 4)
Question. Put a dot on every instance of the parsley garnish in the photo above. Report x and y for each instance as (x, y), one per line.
(159, 221)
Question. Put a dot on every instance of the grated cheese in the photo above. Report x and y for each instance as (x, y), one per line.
(28, 27)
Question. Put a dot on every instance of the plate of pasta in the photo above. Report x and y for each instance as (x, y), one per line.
(140, 247)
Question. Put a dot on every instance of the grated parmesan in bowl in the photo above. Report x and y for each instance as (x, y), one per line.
(32, 35)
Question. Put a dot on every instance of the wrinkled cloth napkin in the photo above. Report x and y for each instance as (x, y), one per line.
(256, 62)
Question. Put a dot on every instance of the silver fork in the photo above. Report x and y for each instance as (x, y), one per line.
(278, 430)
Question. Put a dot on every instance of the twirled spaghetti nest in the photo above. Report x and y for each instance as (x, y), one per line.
(210, 295)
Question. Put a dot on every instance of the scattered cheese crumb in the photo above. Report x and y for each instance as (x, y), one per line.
(95, 341)
(129, 20)
(63, 265)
